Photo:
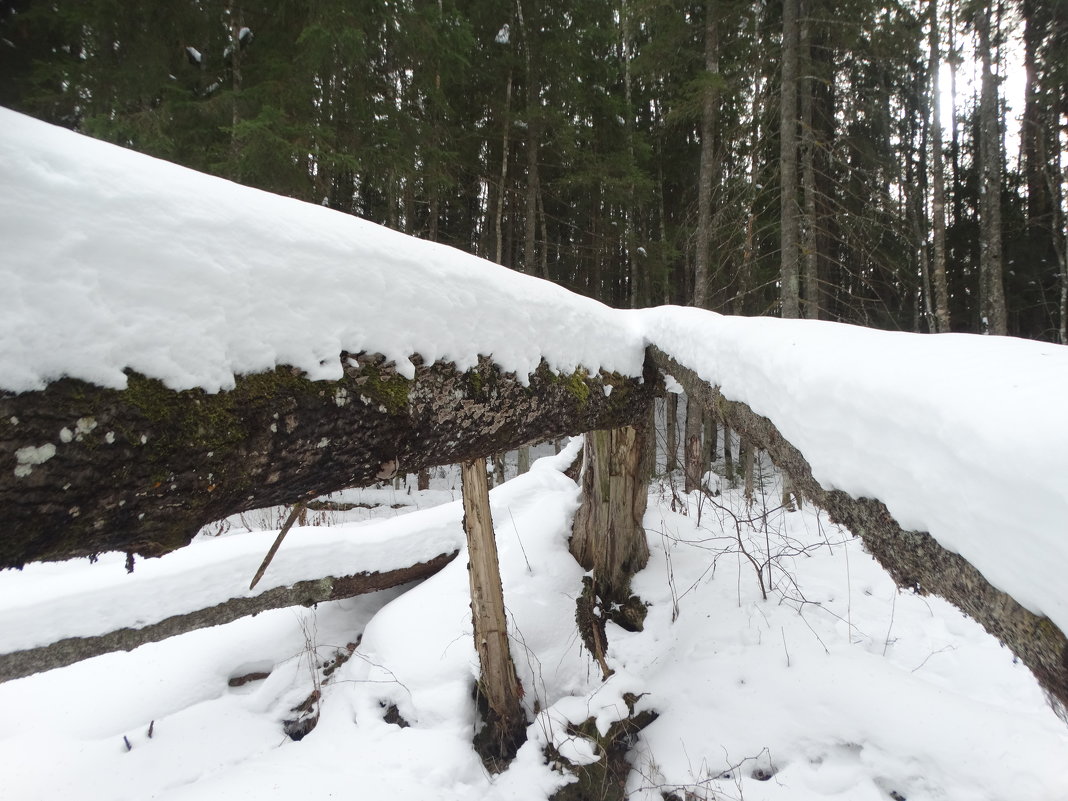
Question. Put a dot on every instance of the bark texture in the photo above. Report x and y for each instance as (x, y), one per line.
(913, 558)
(85, 469)
(304, 593)
(498, 684)
(607, 535)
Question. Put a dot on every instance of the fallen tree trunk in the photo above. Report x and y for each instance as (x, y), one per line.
(304, 593)
(914, 559)
(88, 469)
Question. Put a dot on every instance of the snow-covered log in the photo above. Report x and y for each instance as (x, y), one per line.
(67, 651)
(142, 469)
(914, 558)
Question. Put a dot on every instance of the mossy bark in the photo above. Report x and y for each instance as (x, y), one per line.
(913, 558)
(85, 469)
(605, 779)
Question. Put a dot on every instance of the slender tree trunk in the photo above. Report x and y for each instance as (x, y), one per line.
(938, 178)
(747, 455)
(694, 424)
(671, 458)
(991, 282)
(237, 22)
(954, 129)
(498, 683)
(706, 178)
(811, 306)
(728, 455)
(789, 289)
(502, 191)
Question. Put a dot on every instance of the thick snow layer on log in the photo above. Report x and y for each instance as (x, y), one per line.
(961, 436)
(114, 260)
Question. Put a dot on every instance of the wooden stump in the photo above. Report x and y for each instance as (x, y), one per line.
(499, 690)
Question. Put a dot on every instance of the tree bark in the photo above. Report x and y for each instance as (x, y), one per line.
(706, 178)
(607, 536)
(671, 433)
(938, 178)
(913, 558)
(789, 290)
(810, 248)
(991, 281)
(143, 469)
(304, 593)
(498, 684)
(692, 446)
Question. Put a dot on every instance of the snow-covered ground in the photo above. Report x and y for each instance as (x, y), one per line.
(836, 686)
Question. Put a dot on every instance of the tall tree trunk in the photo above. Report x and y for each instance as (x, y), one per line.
(237, 22)
(498, 684)
(811, 306)
(789, 291)
(991, 282)
(502, 190)
(938, 179)
(706, 179)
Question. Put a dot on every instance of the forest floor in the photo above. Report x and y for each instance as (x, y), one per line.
(834, 685)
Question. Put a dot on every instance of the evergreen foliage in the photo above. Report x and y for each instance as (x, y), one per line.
(565, 139)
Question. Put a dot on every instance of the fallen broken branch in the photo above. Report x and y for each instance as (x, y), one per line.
(304, 593)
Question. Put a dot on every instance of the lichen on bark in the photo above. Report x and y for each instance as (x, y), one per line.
(155, 464)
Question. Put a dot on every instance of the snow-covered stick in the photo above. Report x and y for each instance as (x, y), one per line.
(914, 558)
(16, 664)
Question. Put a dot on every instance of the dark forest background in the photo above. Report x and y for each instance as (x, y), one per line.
(783, 157)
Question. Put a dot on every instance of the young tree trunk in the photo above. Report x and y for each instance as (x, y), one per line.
(748, 457)
(991, 281)
(809, 246)
(711, 440)
(502, 190)
(237, 22)
(938, 192)
(692, 455)
(706, 178)
(671, 457)
(728, 454)
(789, 290)
(498, 684)
(522, 459)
